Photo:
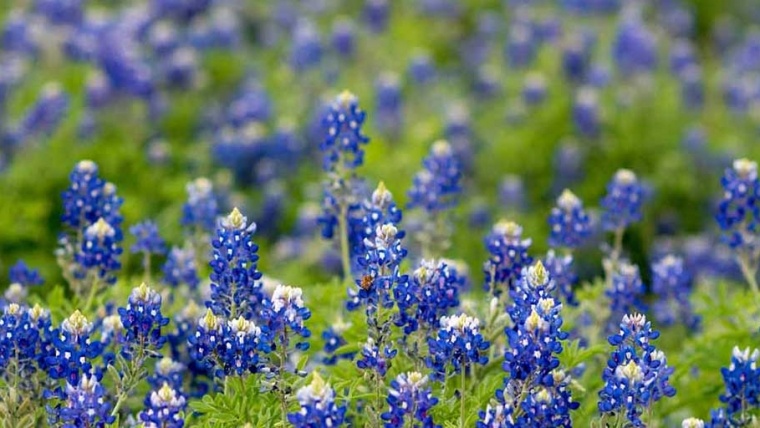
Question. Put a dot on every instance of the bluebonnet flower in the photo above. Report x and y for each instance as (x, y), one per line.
(672, 284)
(738, 210)
(498, 415)
(231, 348)
(163, 408)
(318, 406)
(200, 210)
(718, 419)
(459, 344)
(637, 373)
(147, 239)
(693, 423)
(692, 87)
(61, 12)
(569, 162)
(377, 210)
(376, 14)
(111, 330)
(742, 396)
(388, 104)
(181, 267)
(342, 146)
(521, 45)
(40, 321)
(508, 256)
(142, 321)
(576, 57)
(73, 352)
(17, 34)
(89, 198)
(534, 89)
(42, 118)
(167, 372)
(512, 193)
(570, 226)
(19, 341)
(421, 69)
(100, 251)
(634, 48)
(344, 37)
(22, 274)
(625, 291)
(622, 203)
(374, 359)
(562, 272)
(285, 313)
(83, 403)
(236, 287)
(306, 47)
(586, 115)
(429, 294)
(380, 269)
(437, 187)
(410, 401)
(182, 352)
(333, 338)
(534, 382)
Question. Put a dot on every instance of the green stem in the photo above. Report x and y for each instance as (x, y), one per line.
(281, 374)
(749, 273)
(344, 253)
(462, 392)
(130, 379)
(93, 291)
(146, 267)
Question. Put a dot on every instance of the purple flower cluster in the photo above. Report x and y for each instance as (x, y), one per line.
(637, 373)
(624, 293)
(83, 403)
(229, 348)
(285, 313)
(428, 294)
(147, 239)
(622, 203)
(181, 268)
(317, 406)
(73, 352)
(200, 210)
(569, 223)
(672, 284)
(508, 257)
(142, 322)
(342, 146)
(458, 344)
(742, 396)
(236, 288)
(163, 408)
(437, 187)
(535, 388)
(738, 210)
(410, 401)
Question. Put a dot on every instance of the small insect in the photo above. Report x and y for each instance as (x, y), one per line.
(366, 282)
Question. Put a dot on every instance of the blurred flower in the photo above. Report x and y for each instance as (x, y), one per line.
(508, 256)
(622, 203)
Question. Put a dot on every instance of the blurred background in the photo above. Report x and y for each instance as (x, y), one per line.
(534, 96)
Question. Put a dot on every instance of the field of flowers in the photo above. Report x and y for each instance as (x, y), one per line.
(379, 213)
